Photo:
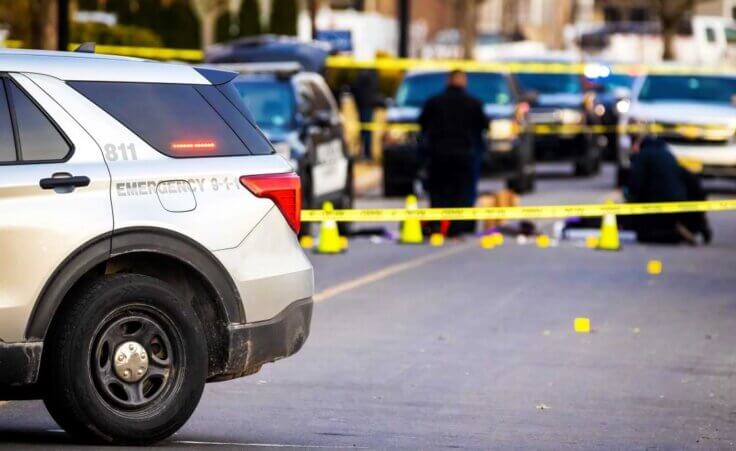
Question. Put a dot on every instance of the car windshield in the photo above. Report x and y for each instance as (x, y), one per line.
(616, 81)
(489, 88)
(270, 102)
(681, 88)
(550, 83)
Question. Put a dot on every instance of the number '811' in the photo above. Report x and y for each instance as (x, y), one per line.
(120, 152)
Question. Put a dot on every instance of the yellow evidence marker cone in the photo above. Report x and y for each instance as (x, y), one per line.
(654, 267)
(437, 239)
(497, 238)
(543, 241)
(582, 325)
(307, 242)
(608, 240)
(329, 236)
(411, 229)
(591, 242)
(487, 242)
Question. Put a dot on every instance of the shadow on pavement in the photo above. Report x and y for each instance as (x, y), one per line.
(15, 437)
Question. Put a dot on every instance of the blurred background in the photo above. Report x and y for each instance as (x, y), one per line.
(645, 31)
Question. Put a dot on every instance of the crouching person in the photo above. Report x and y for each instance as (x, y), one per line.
(656, 176)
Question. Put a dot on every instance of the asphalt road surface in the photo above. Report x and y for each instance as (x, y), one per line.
(460, 347)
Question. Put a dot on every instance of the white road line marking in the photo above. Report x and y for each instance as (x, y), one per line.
(263, 445)
(392, 270)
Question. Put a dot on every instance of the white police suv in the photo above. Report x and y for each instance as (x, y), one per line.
(148, 241)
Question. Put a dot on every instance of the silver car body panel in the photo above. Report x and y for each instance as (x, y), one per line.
(40, 228)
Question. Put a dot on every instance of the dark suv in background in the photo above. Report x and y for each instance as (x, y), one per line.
(559, 114)
(508, 151)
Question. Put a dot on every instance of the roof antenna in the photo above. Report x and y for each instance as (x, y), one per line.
(87, 47)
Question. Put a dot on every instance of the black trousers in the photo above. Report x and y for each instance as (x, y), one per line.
(450, 181)
(662, 228)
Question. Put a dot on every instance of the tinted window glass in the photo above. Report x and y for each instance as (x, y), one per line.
(39, 138)
(174, 119)
(551, 83)
(322, 100)
(616, 81)
(489, 88)
(306, 99)
(271, 102)
(7, 144)
(243, 127)
(674, 88)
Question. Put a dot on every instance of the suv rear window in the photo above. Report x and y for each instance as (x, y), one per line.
(39, 139)
(178, 120)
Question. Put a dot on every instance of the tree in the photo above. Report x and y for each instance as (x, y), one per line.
(283, 18)
(467, 23)
(44, 24)
(250, 18)
(671, 14)
(208, 11)
(235, 24)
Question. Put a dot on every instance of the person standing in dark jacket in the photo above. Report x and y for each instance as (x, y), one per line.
(656, 176)
(452, 125)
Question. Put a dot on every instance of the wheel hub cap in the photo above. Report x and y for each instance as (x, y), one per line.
(131, 361)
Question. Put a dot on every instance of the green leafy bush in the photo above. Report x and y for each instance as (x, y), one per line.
(114, 35)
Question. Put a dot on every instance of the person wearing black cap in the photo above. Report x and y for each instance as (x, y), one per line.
(452, 124)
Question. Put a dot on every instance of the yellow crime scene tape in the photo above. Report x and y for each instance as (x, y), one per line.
(404, 64)
(529, 212)
(709, 132)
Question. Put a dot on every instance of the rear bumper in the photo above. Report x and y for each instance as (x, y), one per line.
(253, 345)
(250, 346)
(19, 363)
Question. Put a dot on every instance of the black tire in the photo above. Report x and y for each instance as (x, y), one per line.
(85, 391)
(589, 163)
(587, 166)
(346, 202)
(524, 181)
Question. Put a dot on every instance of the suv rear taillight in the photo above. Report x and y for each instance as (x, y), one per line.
(285, 190)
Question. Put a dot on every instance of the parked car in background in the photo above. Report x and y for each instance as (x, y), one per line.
(296, 111)
(508, 151)
(612, 98)
(270, 49)
(695, 114)
(560, 112)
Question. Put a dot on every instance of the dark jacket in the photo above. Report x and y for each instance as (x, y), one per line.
(452, 123)
(655, 175)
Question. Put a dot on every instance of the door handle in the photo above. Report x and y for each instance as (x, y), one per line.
(64, 180)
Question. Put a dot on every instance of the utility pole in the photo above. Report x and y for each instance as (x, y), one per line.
(62, 39)
(404, 24)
